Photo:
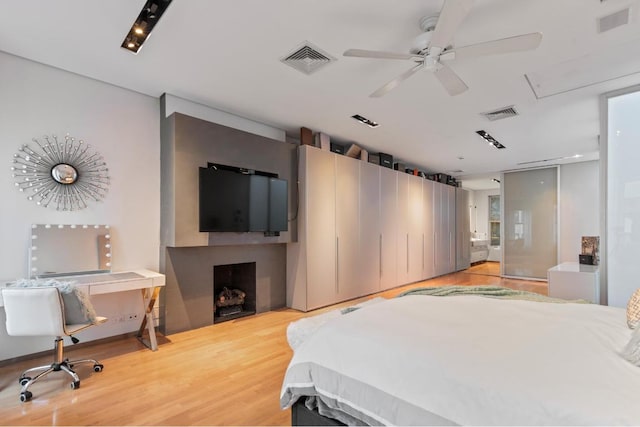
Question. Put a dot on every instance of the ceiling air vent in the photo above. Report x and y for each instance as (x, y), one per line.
(613, 20)
(307, 58)
(501, 113)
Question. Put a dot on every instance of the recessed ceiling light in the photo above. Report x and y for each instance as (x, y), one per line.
(365, 121)
(144, 23)
(491, 140)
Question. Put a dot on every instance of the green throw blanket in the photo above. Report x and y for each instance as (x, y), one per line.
(486, 291)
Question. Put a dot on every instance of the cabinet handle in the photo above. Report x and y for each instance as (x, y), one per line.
(337, 264)
(450, 247)
(422, 251)
(407, 252)
(433, 258)
(380, 255)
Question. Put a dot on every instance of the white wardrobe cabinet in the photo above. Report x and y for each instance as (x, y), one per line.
(370, 247)
(444, 202)
(388, 230)
(429, 270)
(311, 262)
(347, 214)
(402, 229)
(451, 225)
(415, 210)
(363, 228)
(463, 230)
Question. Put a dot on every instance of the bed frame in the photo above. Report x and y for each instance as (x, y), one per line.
(302, 416)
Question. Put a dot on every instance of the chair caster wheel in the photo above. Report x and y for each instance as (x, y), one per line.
(98, 367)
(24, 380)
(75, 385)
(25, 396)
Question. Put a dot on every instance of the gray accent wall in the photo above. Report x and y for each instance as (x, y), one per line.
(189, 276)
(187, 256)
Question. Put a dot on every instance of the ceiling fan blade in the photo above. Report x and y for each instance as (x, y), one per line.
(451, 16)
(510, 44)
(377, 54)
(395, 82)
(450, 80)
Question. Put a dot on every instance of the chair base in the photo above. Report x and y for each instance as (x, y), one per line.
(59, 364)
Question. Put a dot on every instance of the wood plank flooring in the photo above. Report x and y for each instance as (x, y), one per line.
(227, 374)
(490, 268)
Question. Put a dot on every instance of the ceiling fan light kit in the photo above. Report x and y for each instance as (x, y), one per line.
(432, 49)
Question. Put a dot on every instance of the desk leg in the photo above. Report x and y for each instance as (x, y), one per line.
(149, 297)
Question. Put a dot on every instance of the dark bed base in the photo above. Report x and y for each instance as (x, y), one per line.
(302, 416)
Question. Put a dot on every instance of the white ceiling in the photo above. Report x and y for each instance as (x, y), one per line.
(225, 54)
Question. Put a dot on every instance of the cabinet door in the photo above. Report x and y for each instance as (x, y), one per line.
(347, 236)
(442, 230)
(463, 230)
(415, 253)
(370, 231)
(388, 228)
(451, 226)
(429, 235)
(402, 217)
(319, 183)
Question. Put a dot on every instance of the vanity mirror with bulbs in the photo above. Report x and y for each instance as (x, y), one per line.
(82, 254)
(66, 250)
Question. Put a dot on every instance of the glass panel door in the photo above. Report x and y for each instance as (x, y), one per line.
(530, 222)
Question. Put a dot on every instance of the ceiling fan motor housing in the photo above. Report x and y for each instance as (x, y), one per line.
(421, 43)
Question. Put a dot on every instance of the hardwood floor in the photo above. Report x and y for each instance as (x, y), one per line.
(227, 374)
(490, 268)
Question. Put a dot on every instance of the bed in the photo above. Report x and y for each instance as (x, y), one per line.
(425, 360)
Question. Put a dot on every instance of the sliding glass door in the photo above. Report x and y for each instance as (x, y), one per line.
(530, 222)
(622, 156)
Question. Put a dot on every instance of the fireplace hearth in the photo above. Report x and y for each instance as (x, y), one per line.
(234, 291)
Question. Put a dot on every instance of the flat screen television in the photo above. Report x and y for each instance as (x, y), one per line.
(242, 202)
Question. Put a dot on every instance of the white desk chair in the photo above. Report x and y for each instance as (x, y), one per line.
(39, 311)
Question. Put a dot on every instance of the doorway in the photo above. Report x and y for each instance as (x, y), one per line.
(485, 224)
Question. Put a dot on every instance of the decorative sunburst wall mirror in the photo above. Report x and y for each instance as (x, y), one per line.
(64, 175)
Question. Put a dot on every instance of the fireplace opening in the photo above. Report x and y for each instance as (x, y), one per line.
(234, 291)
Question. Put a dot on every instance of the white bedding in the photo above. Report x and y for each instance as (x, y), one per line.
(421, 360)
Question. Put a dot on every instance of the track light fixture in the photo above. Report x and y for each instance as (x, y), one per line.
(141, 28)
(365, 121)
(491, 140)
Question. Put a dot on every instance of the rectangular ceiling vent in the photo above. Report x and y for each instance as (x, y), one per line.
(307, 58)
(501, 113)
(613, 20)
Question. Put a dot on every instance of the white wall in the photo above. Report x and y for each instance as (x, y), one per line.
(579, 207)
(122, 125)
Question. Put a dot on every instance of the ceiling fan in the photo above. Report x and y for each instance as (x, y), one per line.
(431, 49)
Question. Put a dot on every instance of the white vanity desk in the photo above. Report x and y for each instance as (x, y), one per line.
(149, 282)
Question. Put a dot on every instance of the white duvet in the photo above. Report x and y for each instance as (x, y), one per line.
(470, 360)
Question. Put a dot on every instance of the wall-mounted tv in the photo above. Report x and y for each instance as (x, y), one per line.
(238, 200)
